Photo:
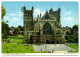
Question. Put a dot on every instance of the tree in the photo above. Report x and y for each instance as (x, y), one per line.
(21, 28)
(72, 38)
(12, 27)
(5, 26)
(5, 30)
(17, 31)
(3, 12)
(75, 27)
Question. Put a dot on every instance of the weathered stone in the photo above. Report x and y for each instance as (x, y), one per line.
(45, 30)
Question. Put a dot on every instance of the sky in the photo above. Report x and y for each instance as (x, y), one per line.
(69, 11)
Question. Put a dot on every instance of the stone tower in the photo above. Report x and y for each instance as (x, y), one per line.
(28, 21)
(45, 29)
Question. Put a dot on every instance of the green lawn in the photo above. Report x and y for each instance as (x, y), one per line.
(15, 39)
(13, 47)
(75, 47)
(18, 36)
(17, 48)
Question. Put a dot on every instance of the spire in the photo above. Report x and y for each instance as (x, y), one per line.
(59, 8)
(40, 14)
(32, 8)
(46, 10)
(24, 8)
(51, 6)
(59, 5)
(32, 5)
(24, 5)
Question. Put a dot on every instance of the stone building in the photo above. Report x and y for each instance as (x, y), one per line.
(46, 29)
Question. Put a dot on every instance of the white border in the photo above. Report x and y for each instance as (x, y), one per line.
(43, 54)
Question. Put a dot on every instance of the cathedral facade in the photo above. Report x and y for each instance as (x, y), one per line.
(46, 29)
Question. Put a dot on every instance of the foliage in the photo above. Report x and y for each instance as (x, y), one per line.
(16, 31)
(21, 28)
(5, 30)
(72, 38)
(75, 27)
(3, 12)
(5, 26)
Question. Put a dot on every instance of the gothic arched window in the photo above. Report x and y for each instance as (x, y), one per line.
(47, 30)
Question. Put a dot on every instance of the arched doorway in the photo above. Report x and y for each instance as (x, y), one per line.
(47, 41)
(47, 30)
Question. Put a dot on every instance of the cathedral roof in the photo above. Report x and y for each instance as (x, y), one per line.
(46, 15)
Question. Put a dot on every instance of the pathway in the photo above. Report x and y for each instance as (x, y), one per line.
(52, 48)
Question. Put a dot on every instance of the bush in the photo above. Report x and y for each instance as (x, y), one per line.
(72, 38)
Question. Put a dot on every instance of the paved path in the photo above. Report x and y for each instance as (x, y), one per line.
(52, 47)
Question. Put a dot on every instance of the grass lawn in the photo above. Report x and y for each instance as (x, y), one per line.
(15, 39)
(13, 47)
(75, 47)
(16, 48)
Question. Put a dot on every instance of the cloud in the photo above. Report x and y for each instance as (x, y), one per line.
(37, 12)
(68, 18)
(20, 13)
(5, 17)
(15, 19)
(68, 13)
(16, 14)
(12, 14)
